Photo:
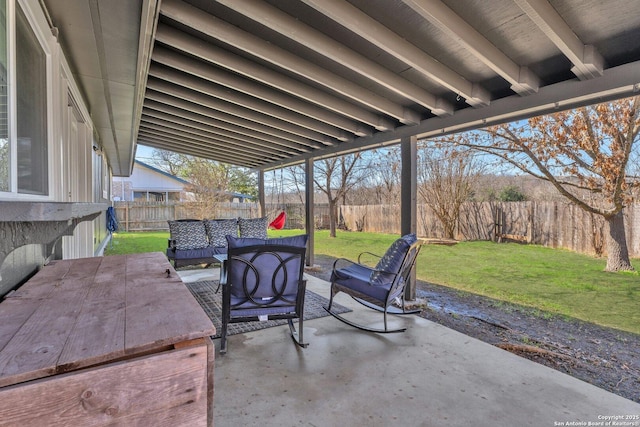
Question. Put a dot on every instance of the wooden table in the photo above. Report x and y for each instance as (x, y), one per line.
(105, 341)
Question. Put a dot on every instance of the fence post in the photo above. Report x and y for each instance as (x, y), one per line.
(497, 224)
(532, 210)
(126, 216)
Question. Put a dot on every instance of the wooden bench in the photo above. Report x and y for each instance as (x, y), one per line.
(103, 341)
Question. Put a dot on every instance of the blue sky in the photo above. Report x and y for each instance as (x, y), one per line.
(143, 153)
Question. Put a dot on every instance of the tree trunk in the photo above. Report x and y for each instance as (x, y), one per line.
(617, 252)
(449, 228)
(333, 217)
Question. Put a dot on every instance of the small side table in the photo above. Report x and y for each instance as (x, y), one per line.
(222, 259)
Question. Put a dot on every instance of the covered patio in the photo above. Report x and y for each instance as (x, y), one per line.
(266, 84)
(270, 83)
(427, 376)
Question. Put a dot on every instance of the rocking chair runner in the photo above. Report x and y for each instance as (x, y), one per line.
(377, 287)
(264, 281)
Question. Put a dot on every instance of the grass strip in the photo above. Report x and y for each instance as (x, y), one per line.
(551, 280)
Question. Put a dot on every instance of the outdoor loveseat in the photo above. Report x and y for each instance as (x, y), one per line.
(195, 241)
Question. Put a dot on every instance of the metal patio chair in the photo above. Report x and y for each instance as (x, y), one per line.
(264, 281)
(378, 287)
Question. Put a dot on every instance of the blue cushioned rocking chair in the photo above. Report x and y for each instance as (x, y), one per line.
(377, 287)
(264, 281)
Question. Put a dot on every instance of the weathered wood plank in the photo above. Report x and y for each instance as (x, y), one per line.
(35, 348)
(98, 333)
(160, 309)
(166, 389)
(13, 314)
(41, 285)
(94, 310)
(163, 318)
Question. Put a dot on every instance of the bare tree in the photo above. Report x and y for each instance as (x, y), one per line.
(583, 153)
(335, 177)
(385, 179)
(445, 181)
(168, 161)
(209, 182)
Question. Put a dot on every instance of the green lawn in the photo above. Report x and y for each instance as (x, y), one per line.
(551, 280)
(133, 243)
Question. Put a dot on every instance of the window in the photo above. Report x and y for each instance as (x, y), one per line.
(31, 112)
(23, 121)
(5, 159)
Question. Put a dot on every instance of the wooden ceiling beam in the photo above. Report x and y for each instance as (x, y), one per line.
(187, 99)
(256, 90)
(225, 59)
(207, 124)
(230, 34)
(368, 28)
(292, 28)
(213, 154)
(523, 80)
(152, 117)
(587, 61)
(181, 139)
(192, 82)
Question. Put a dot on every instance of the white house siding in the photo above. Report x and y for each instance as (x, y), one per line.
(147, 180)
(72, 160)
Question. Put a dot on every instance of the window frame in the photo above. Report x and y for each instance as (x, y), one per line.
(38, 25)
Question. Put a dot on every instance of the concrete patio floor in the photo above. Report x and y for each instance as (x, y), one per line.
(427, 376)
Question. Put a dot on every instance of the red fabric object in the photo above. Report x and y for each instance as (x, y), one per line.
(278, 223)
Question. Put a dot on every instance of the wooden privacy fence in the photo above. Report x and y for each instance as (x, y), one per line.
(554, 224)
(150, 216)
(296, 213)
(147, 216)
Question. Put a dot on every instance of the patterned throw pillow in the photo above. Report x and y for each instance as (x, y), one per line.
(218, 229)
(256, 228)
(392, 259)
(188, 234)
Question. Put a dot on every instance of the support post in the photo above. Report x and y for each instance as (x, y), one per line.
(309, 210)
(409, 199)
(261, 197)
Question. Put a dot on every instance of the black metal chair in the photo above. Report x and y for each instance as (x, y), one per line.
(380, 286)
(264, 281)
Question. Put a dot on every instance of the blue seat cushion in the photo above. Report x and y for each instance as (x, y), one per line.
(299, 241)
(244, 307)
(357, 277)
(190, 253)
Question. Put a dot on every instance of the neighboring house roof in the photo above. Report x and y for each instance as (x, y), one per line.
(160, 171)
(240, 195)
(139, 183)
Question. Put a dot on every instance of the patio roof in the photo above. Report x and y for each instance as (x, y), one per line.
(267, 83)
